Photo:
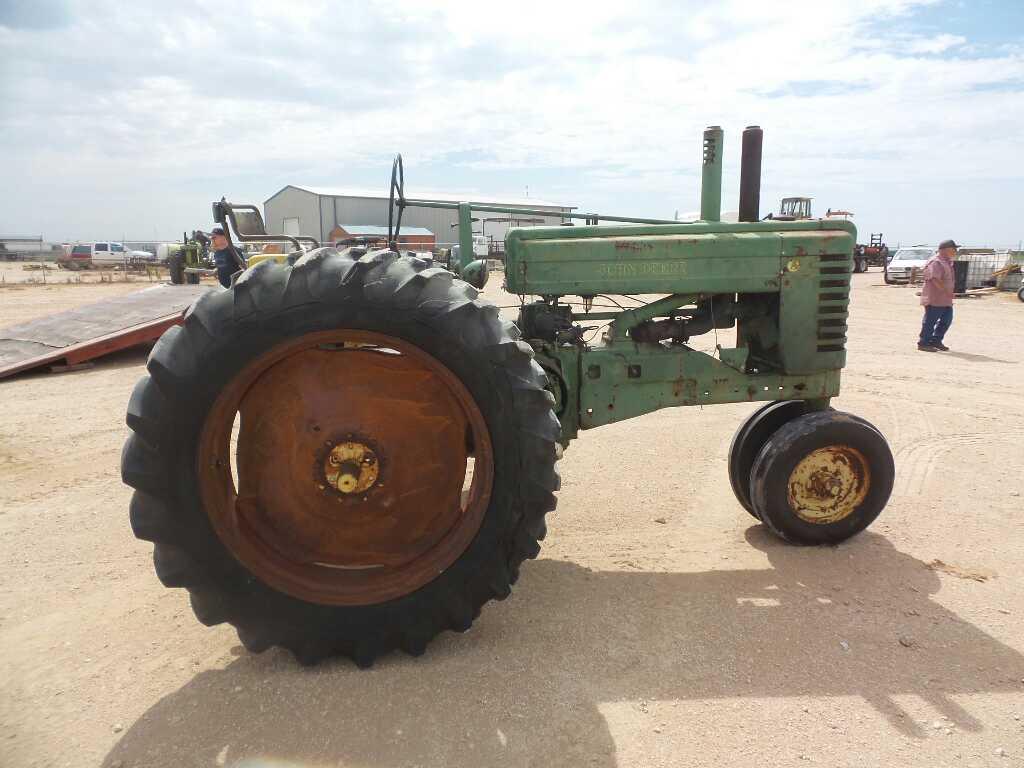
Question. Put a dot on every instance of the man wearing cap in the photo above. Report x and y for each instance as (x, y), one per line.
(937, 298)
(225, 256)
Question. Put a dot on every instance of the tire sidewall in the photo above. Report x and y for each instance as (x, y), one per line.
(750, 439)
(777, 460)
(244, 341)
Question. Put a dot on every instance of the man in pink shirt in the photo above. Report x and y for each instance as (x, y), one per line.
(937, 298)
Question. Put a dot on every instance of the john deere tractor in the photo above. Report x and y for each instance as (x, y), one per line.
(353, 452)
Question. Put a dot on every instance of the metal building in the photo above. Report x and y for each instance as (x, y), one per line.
(316, 211)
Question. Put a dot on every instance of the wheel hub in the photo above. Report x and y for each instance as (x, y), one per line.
(828, 484)
(350, 467)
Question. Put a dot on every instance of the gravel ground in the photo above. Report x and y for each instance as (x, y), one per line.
(695, 641)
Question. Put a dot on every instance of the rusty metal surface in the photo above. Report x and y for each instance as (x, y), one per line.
(94, 329)
(14, 351)
(337, 395)
(829, 484)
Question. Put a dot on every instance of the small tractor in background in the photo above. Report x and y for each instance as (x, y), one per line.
(874, 254)
(792, 209)
(187, 261)
(350, 452)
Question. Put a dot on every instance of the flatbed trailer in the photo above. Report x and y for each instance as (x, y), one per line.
(82, 334)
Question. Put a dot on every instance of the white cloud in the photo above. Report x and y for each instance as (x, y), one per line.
(937, 44)
(610, 98)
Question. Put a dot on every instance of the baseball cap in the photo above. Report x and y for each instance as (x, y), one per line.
(947, 244)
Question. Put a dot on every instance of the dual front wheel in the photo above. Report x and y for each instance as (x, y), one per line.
(812, 477)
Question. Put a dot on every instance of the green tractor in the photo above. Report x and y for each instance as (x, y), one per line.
(187, 261)
(352, 452)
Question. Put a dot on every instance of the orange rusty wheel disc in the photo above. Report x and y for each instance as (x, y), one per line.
(829, 484)
(363, 467)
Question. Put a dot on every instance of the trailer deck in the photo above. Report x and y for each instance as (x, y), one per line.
(82, 334)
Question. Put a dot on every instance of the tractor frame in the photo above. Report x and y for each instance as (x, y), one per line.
(782, 285)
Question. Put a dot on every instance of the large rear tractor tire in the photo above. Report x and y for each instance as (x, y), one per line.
(822, 478)
(342, 457)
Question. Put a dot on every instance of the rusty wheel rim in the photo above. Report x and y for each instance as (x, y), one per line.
(363, 467)
(829, 484)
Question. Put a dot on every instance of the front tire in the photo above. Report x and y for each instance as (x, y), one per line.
(307, 356)
(750, 438)
(822, 478)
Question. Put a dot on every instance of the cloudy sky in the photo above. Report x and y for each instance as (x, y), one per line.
(126, 119)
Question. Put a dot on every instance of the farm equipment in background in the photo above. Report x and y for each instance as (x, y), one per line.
(874, 254)
(246, 222)
(187, 261)
(351, 452)
(792, 209)
(487, 246)
(463, 259)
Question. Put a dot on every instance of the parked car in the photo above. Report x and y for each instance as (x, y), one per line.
(905, 260)
(105, 254)
(76, 257)
(115, 254)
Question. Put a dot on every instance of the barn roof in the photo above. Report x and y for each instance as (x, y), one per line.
(367, 230)
(445, 197)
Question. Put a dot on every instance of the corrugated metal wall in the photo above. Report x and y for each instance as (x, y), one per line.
(318, 220)
(292, 203)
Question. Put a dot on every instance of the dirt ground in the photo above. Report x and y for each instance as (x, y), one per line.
(48, 273)
(26, 294)
(697, 641)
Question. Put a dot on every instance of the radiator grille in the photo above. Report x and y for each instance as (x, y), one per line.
(833, 301)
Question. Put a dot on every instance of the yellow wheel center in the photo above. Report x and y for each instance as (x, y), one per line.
(829, 484)
(351, 467)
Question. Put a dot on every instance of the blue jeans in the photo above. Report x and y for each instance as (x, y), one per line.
(936, 322)
(224, 275)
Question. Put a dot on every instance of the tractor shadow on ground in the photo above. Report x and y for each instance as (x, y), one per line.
(524, 687)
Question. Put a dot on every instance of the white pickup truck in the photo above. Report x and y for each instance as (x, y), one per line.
(107, 254)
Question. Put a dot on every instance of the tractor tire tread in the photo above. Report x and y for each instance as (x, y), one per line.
(270, 301)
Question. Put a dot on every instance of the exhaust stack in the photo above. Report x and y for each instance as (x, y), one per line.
(750, 174)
